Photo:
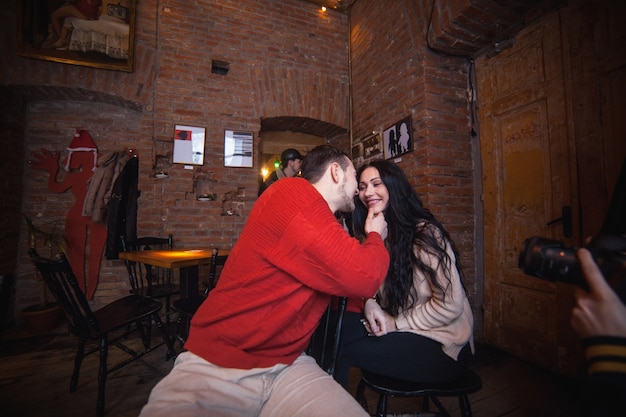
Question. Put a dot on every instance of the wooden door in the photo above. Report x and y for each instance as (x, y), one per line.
(529, 167)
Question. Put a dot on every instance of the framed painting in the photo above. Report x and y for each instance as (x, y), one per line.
(47, 30)
(188, 145)
(398, 138)
(238, 149)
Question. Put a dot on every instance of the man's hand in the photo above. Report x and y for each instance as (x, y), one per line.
(375, 222)
(598, 312)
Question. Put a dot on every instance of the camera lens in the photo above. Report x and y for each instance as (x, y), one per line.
(550, 260)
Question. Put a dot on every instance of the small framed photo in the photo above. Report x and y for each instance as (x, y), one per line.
(372, 145)
(188, 145)
(117, 11)
(238, 149)
(398, 138)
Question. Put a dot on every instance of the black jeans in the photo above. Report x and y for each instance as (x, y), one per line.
(400, 355)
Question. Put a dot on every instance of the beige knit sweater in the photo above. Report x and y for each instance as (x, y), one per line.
(449, 322)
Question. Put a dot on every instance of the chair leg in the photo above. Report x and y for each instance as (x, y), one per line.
(78, 360)
(425, 404)
(167, 310)
(442, 409)
(187, 325)
(179, 334)
(166, 338)
(465, 406)
(102, 375)
(360, 396)
(145, 337)
(381, 408)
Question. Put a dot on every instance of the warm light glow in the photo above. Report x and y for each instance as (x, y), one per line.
(323, 8)
(264, 173)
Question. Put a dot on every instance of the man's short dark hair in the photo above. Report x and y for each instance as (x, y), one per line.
(319, 158)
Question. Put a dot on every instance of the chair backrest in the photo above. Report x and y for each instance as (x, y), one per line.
(216, 260)
(143, 277)
(324, 345)
(60, 279)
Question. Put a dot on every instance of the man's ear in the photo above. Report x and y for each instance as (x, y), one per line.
(335, 172)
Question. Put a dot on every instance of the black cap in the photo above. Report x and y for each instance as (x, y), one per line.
(288, 155)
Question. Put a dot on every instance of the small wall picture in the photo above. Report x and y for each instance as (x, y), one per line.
(238, 149)
(189, 145)
(398, 138)
(372, 145)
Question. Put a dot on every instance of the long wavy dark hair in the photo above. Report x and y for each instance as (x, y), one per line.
(410, 225)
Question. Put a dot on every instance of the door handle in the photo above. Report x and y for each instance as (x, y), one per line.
(566, 218)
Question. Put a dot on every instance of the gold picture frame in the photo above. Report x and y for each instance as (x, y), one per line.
(106, 42)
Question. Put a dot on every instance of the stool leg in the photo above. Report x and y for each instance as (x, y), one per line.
(442, 409)
(381, 409)
(360, 396)
(466, 407)
(425, 404)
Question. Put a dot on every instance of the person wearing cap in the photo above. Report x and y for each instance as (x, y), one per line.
(290, 162)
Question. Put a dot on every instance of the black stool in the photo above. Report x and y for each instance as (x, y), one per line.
(389, 387)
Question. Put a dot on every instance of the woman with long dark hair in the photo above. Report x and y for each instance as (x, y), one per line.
(419, 325)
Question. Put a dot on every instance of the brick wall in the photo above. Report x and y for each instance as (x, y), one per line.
(395, 75)
(287, 59)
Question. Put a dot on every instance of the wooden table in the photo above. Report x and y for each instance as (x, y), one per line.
(185, 260)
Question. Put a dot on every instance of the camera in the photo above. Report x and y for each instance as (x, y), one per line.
(551, 260)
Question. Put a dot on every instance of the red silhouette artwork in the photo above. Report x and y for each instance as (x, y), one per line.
(82, 235)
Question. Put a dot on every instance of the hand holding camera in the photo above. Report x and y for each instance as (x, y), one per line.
(599, 269)
(598, 312)
(550, 260)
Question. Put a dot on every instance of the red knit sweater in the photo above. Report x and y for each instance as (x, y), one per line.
(291, 255)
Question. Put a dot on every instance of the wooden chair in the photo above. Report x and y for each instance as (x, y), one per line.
(149, 280)
(324, 347)
(187, 307)
(111, 324)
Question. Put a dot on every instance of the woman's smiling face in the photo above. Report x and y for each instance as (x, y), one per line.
(372, 190)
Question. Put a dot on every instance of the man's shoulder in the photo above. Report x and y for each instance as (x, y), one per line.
(295, 182)
(293, 191)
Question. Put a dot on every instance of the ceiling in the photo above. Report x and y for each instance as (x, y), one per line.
(459, 34)
(301, 124)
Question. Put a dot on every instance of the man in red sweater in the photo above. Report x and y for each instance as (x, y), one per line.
(246, 344)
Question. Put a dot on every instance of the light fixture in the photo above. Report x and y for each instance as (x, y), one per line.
(323, 8)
